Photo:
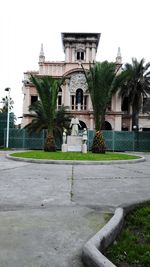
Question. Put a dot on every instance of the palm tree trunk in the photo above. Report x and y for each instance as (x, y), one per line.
(136, 109)
(135, 119)
(50, 144)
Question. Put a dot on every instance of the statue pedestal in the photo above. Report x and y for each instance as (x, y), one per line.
(74, 143)
(64, 148)
(84, 148)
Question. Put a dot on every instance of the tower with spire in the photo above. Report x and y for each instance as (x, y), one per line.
(41, 55)
(119, 58)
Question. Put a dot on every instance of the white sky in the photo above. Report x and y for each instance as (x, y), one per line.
(25, 24)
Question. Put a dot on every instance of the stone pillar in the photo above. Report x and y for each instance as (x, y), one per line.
(73, 54)
(91, 122)
(67, 52)
(118, 123)
(87, 53)
(116, 103)
(93, 52)
(67, 94)
(90, 107)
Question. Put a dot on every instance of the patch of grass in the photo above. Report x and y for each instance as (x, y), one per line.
(38, 154)
(132, 248)
(4, 148)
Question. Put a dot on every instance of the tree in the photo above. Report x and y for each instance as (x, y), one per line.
(5, 104)
(135, 84)
(101, 86)
(39, 120)
(44, 113)
(45, 109)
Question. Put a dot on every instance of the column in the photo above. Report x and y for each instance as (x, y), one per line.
(93, 52)
(118, 122)
(67, 94)
(89, 105)
(73, 54)
(67, 53)
(91, 122)
(87, 53)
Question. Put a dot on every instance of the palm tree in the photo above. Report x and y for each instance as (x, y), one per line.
(135, 85)
(45, 109)
(39, 120)
(101, 85)
(5, 104)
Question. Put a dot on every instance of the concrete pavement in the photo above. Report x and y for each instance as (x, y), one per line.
(49, 211)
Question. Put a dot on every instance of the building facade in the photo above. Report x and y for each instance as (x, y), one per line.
(79, 49)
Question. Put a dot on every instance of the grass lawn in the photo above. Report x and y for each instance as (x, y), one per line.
(38, 154)
(132, 248)
(4, 148)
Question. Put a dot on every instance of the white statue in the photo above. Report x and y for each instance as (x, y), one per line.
(84, 136)
(64, 136)
(75, 126)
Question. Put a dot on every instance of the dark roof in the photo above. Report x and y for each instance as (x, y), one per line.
(81, 36)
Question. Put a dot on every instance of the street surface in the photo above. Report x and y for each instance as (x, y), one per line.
(49, 211)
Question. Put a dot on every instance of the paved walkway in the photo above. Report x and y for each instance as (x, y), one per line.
(49, 211)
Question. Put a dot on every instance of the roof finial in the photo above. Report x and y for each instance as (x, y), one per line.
(41, 56)
(119, 58)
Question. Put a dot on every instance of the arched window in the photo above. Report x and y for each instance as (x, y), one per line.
(82, 125)
(107, 126)
(59, 99)
(125, 105)
(80, 55)
(79, 99)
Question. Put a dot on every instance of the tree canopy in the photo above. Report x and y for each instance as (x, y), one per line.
(135, 85)
(45, 109)
(101, 85)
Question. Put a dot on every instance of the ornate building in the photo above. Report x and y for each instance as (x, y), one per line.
(79, 48)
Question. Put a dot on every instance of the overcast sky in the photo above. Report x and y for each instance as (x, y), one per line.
(25, 24)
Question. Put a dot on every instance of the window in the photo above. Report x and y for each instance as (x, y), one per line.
(79, 99)
(72, 102)
(108, 106)
(59, 99)
(125, 105)
(80, 55)
(34, 98)
(85, 102)
(146, 104)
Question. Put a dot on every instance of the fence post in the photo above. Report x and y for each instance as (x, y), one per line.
(113, 140)
(23, 139)
(43, 137)
(133, 136)
(4, 137)
(88, 140)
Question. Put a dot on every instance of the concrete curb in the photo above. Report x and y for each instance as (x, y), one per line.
(76, 162)
(92, 250)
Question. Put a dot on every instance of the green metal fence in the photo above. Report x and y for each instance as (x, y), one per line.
(114, 140)
(123, 141)
(3, 125)
(20, 138)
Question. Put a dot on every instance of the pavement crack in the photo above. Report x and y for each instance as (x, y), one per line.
(14, 168)
(72, 184)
